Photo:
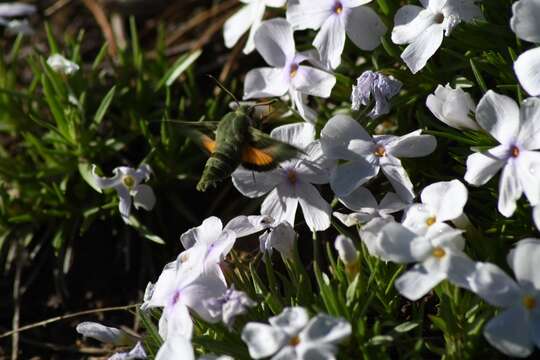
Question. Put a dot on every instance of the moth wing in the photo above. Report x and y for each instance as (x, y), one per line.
(201, 133)
(264, 153)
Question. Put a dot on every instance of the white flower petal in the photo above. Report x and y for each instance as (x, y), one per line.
(298, 134)
(337, 134)
(291, 320)
(510, 189)
(354, 3)
(280, 204)
(481, 167)
(206, 233)
(398, 177)
(176, 348)
(412, 145)
(499, 116)
(452, 106)
(330, 41)
(179, 322)
(370, 232)
(536, 216)
(254, 184)
(524, 21)
(364, 27)
(529, 131)
(316, 210)
(409, 22)
(209, 285)
(325, 329)
(124, 205)
(306, 15)
(460, 269)
(275, 42)
(524, 259)
(423, 47)
(316, 352)
(348, 177)
(246, 225)
(446, 199)
(395, 241)
(299, 102)
(311, 81)
(391, 203)
(527, 165)
(314, 167)
(164, 287)
(143, 196)
(416, 218)
(509, 332)
(16, 9)
(527, 68)
(105, 334)
(265, 82)
(238, 24)
(493, 285)
(359, 199)
(417, 282)
(275, 3)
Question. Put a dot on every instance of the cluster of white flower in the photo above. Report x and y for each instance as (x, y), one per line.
(347, 158)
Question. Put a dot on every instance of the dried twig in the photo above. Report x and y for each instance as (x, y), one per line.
(16, 301)
(101, 18)
(64, 317)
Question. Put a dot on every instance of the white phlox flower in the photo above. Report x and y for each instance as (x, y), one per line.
(452, 107)
(279, 236)
(229, 305)
(182, 349)
(337, 19)
(441, 201)
(128, 184)
(105, 334)
(516, 330)
(423, 29)
(525, 24)
(366, 208)
(292, 182)
(518, 132)
(343, 138)
(136, 353)
(62, 65)
(248, 18)
(292, 335)
(437, 255)
(275, 42)
(369, 215)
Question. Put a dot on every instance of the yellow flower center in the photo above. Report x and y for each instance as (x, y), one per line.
(294, 70)
(514, 151)
(128, 181)
(529, 302)
(338, 8)
(295, 340)
(184, 258)
(439, 252)
(431, 220)
(379, 151)
(291, 176)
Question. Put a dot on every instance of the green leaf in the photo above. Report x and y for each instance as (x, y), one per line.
(406, 327)
(181, 65)
(104, 106)
(85, 169)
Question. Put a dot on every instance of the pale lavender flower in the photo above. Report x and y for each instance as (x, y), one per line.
(379, 86)
(137, 353)
(229, 305)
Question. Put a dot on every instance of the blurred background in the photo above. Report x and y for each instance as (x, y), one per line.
(63, 246)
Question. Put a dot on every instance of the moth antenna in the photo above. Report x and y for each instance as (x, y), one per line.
(222, 87)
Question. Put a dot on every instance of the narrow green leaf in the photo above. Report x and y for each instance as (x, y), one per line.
(181, 65)
(104, 106)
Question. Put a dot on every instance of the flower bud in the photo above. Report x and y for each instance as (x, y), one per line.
(452, 107)
(346, 250)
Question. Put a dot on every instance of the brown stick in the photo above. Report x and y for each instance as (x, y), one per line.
(101, 18)
(64, 317)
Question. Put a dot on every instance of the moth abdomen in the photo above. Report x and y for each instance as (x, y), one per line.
(218, 167)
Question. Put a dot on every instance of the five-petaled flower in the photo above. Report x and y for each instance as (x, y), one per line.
(128, 183)
(517, 130)
(424, 28)
(275, 42)
(336, 19)
(292, 335)
(292, 182)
